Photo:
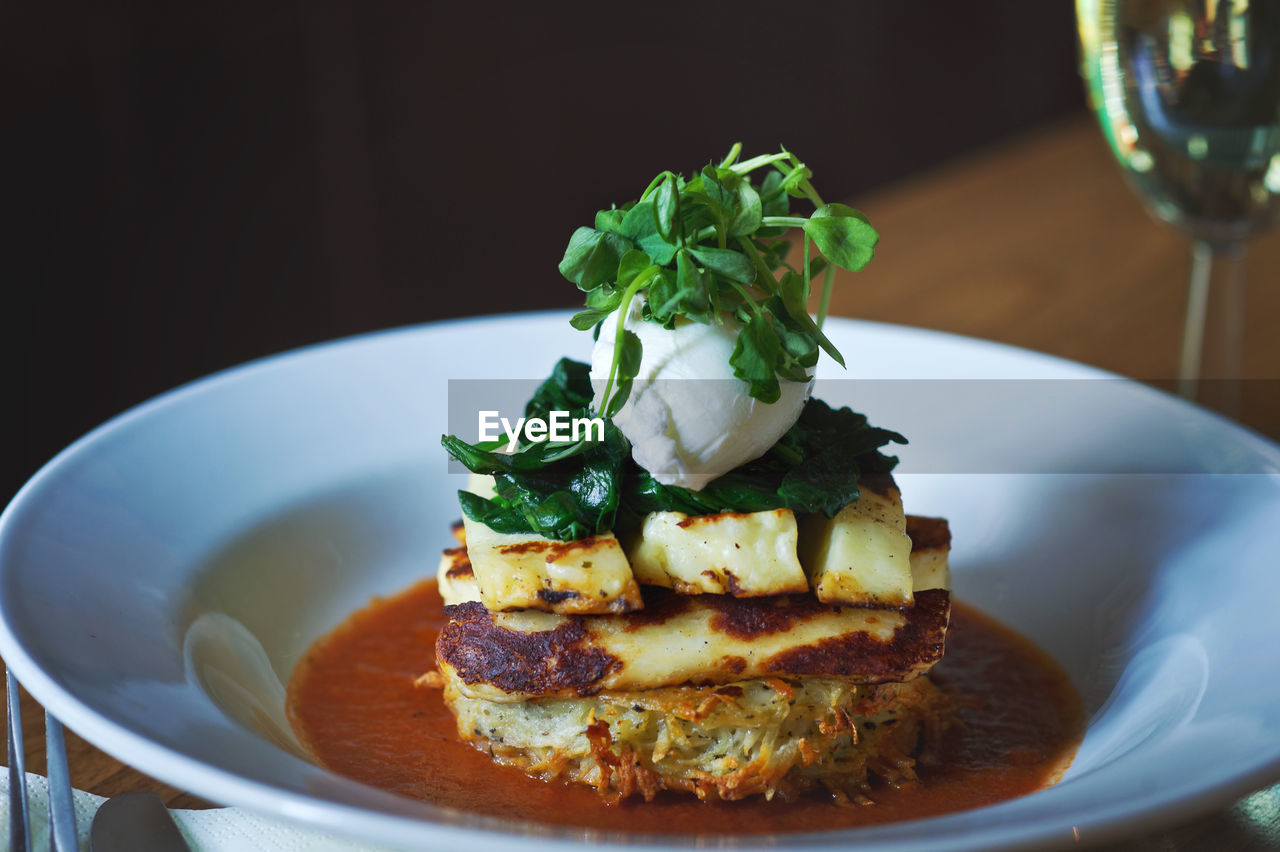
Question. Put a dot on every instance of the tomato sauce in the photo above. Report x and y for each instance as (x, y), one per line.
(354, 703)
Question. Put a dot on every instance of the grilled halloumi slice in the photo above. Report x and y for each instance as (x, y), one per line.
(863, 554)
(519, 570)
(524, 570)
(455, 578)
(930, 549)
(677, 639)
(735, 553)
(513, 656)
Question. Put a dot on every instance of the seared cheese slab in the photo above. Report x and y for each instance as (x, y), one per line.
(862, 555)
(455, 578)
(524, 570)
(686, 639)
(734, 553)
(930, 549)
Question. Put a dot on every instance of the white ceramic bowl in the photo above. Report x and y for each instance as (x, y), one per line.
(160, 578)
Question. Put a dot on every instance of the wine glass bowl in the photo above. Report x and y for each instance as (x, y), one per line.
(1187, 93)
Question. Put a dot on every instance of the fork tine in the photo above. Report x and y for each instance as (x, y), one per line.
(62, 813)
(19, 824)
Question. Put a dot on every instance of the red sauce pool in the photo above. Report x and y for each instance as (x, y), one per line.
(354, 703)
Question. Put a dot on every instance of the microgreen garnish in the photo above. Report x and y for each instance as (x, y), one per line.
(709, 246)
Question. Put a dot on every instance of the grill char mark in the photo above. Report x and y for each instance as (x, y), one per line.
(696, 520)
(459, 563)
(538, 663)
(928, 533)
(552, 596)
(659, 605)
(748, 618)
(915, 646)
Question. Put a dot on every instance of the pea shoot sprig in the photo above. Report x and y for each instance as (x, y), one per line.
(710, 246)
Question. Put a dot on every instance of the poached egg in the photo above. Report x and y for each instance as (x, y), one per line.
(689, 420)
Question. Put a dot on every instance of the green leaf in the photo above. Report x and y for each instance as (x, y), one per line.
(727, 301)
(666, 210)
(773, 197)
(733, 265)
(794, 291)
(604, 296)
(475, 459)
(663, 293)
(793, 178)
(747, 211)
(774, 252)
(601, 302)
(798, 342)
(797, 310)
(721, 198)
(843, 234)
(774, 201)
(497, 516)
(588, 319)
(641, 226)
(756, 354)
(633, 263)
(631, 352)
(684, 294)
(609, 220)
(592, 257)
(639, 221)
(695, 210)
(568, 388)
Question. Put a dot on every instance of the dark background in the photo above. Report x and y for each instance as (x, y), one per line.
(190, 186)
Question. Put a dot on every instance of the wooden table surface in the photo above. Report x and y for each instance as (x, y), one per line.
(1038, 243)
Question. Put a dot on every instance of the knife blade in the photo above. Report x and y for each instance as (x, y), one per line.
(133, 821)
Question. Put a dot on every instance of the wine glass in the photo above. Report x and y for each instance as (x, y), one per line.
(1188, 96)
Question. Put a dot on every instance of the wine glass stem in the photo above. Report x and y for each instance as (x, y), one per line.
(1209, 370)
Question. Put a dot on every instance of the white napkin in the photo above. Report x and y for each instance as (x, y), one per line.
(214, 830)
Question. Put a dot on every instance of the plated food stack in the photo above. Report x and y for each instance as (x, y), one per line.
(727, 677)
(684, 604)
